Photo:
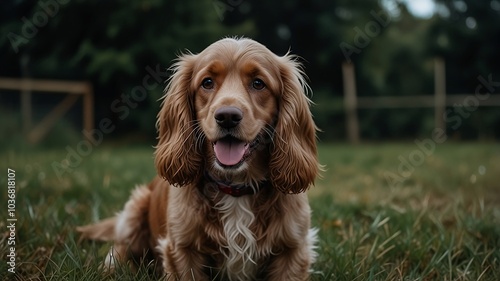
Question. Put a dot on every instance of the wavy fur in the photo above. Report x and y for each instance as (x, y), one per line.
(184, 220)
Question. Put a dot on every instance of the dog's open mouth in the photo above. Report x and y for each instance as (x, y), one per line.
(231, 152)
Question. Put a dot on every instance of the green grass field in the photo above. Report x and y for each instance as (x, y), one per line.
(384, 211)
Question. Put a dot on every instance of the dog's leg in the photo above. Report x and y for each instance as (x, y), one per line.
(182, 263)
(293, 264)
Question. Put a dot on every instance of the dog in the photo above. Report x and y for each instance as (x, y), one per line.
(236, 152)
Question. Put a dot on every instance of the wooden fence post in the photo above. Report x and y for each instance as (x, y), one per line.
(350, 102)
(440, 94)
(88, 111)
(26, 110)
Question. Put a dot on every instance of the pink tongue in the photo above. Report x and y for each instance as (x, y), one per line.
(229, 151)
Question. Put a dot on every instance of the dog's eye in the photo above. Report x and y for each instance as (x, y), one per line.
(207, 83)
(257, 84)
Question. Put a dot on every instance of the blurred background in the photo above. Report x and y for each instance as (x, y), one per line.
(393, 46)
(416, 83)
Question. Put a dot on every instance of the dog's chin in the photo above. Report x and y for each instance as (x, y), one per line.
(235, 170)
(233, 155)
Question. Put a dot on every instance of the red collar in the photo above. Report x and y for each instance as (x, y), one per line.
(236, 190)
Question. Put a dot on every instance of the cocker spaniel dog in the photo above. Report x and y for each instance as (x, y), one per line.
(236, 152)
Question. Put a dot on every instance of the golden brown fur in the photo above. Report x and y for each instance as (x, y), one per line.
(234, 113)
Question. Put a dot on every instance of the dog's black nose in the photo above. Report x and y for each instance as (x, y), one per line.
(228, 116)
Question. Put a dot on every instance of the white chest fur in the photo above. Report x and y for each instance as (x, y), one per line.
(241, 246)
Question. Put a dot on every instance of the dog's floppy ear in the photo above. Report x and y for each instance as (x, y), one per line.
(294, 163)
(178, 158)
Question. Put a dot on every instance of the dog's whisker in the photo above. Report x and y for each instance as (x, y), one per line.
(270, 132)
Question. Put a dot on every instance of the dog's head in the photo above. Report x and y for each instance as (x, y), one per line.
(239, 111)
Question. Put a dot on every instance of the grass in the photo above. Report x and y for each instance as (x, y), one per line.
(440, 221)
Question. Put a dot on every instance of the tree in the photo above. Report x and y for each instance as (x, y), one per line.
(115, 44)
(467, 34)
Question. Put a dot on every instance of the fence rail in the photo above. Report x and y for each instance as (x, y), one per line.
(73, 89)
(419, 101)
(439, 100)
